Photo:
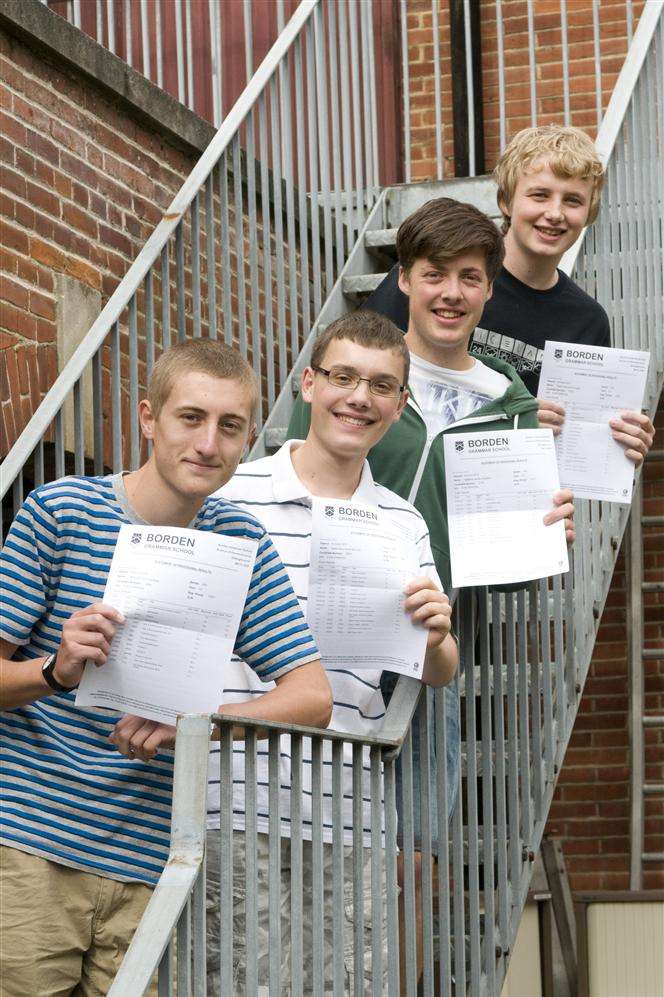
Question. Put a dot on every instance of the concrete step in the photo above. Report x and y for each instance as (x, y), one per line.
(357, 288)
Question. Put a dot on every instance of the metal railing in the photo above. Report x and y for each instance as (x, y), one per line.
(249, 248)
(525, 656)
(494, 92)
(184, 47)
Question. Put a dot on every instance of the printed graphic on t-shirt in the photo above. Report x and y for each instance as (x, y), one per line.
(443, 404)
(522, 356)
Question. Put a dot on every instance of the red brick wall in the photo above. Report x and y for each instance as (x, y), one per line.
(591, 808)
(548, 60)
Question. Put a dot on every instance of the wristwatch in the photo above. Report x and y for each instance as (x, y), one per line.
(50, 679)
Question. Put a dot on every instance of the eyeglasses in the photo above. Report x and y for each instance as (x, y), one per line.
(342, 377)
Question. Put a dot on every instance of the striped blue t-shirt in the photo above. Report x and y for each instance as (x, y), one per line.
(66, 793)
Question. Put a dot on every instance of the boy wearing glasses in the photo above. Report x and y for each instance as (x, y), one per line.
(356, 388)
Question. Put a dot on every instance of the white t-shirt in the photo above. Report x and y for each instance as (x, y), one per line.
(446, 396)
(270, 489)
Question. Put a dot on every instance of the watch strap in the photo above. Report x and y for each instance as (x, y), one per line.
(47, 672)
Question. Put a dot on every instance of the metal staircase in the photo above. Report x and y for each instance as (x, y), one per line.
(284, 217)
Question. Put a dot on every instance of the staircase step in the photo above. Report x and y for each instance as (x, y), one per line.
(357, 288)
(381, 243)
(653, 721)
(653, 653)
(652, 586)
(653, 520)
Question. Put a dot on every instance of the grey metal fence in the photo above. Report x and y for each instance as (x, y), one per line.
(249, 249)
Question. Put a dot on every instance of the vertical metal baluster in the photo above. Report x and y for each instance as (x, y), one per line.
(559, 658)
(346, 124)
(99, 23)
(248, 40)
(629, 19)
(225, 940)
(215, 60)
(408, 852)
(317, 894)
(165, 300)
(405, 77)
(337, 870)
(524, 735)
(268, 323)
(180, 278)
(357, 117)
(535, 699)
(489, 740)
(198, 960)
(116, 400)
(134, 432)
(366, 107)
(297, 917)
(149, 323)
(252, 245)
(458, 866)
(184, 952)
(225, 239)
(443, 866)
(567, 116)
(358, 869)
(655, 82)
(165, 973)
(547, 678)
(239, 246)
(110, 24)
(129, 54)
(145, 40)
(501, 782)
(392, 889)
(514, 844)
(39, 463)
(312, 136)
(500, 39)
(301, 139)
(97, 412)
(427, 847)
(286, 110)
(469, 86)
(274, 863)
(323, 142)
(468, 658)
(79, 430)
(438, 103)
(196, 264)
(211, 257)
(532, 63)
(251, 861)
(598, 63)
(190, 55)
(280, 270)
(159, 46)
(179, 51)
(377, 863)
(334, 89)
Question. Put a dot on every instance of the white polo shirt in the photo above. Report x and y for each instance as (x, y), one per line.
(271, 490)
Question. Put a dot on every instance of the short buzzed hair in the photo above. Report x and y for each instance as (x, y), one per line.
(443, 229)
(368, 329)
(568, 152)
(207, 356)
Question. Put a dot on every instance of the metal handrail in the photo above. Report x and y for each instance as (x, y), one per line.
(149, 254)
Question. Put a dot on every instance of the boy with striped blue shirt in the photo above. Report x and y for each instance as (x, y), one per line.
(356, 384)
(86, 795)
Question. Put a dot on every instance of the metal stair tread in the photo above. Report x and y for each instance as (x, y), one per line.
(354, 287)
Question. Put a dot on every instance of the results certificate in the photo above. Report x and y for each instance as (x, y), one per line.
(594, 384)
(182, 593)
(360, 564)
(500, 485)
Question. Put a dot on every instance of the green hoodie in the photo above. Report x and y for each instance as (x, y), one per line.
(403, 462)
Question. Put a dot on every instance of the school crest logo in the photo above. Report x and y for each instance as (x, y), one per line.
(136, 538)
(558, 354)
(329, 510)
(458, 445)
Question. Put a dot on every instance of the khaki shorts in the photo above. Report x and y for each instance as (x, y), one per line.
(261, 955)
(62, 931)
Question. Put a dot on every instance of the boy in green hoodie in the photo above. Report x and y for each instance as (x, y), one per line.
(449, 255)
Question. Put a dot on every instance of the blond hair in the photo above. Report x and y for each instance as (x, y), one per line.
(569, 152)
(207, 356)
